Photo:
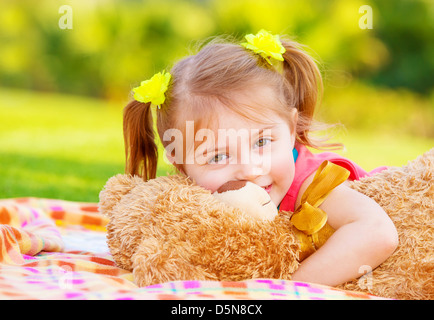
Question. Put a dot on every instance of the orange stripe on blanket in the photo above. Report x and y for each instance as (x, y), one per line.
(227, 285)
(57, 215)
(5, 218)
(9, 247)
(93, 208)
(89, 219)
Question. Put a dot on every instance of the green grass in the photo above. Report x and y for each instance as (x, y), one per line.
(374, 149)
(58, 146)
(66, 147)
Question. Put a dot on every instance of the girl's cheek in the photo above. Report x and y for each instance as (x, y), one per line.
(208, 181)
(284, 168)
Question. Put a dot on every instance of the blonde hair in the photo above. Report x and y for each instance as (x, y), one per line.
(216, 74)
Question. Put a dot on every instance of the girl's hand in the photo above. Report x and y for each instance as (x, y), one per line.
(364, 237)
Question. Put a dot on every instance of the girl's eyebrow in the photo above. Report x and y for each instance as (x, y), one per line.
(261, 131)
(215, 149)
(255, 132)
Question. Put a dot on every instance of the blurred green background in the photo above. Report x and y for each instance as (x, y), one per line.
(62, 90)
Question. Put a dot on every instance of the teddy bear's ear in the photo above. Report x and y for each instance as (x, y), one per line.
(114, 189)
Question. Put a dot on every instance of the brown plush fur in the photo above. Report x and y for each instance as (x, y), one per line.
(170, 229)
(407, 195)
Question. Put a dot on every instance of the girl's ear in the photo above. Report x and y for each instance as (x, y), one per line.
(168, 158)
(171, 159)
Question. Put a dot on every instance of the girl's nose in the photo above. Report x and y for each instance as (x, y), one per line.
(253, 165)
(249, 172)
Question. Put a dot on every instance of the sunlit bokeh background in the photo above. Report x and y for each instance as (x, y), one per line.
(62, 91)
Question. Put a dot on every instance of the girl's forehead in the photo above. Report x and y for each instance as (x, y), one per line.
(254, 107)
(229, 119)
(228, 122)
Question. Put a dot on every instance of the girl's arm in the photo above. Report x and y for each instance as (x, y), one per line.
(364, 236)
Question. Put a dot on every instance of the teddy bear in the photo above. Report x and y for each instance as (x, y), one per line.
(169, 229)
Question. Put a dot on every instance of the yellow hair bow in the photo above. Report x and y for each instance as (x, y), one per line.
(265, 44)
(154, 89)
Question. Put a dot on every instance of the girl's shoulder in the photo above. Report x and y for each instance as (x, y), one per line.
(307, 163)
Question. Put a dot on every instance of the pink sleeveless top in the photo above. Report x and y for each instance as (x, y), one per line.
(307, 163)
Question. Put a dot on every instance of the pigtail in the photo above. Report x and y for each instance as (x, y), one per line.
(304, 84)
(141, 151)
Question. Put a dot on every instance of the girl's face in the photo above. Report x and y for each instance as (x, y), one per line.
(242, 149)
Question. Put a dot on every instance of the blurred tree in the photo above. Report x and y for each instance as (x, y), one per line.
(115, 44)
(407, 30)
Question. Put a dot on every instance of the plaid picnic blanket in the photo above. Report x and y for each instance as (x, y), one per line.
(56, 249)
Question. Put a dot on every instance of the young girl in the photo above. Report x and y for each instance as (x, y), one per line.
(244, 112)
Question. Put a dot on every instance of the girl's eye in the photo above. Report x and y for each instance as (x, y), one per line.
(262, 142)
(218, 158)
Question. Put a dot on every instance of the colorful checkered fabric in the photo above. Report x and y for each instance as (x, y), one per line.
(55, 249)
(25, 230)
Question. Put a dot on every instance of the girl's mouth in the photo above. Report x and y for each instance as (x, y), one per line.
(268, 188)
